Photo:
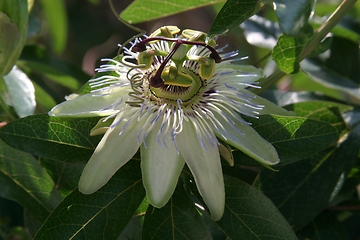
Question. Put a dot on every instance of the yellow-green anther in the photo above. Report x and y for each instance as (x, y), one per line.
(168, 31)
(210, 41)
(207, 69)
(193, 35)
(13, 30)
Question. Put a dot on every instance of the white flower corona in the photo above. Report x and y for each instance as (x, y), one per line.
(173, 96)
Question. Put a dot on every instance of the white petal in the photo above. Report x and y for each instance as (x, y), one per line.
(112, 153)
(161, 167)
(205, 166)
(269, 107)
(238, 75)
(21, 92)
(245, 138)
(90, 105)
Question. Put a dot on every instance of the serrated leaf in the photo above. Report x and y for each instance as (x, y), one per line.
(250, 215)
(288, 49)
(101, 215)
(178, 219)
(299, 189)
(21, 92)
(61, 140)
(23, 180)
(325, 76)
(294, 138)
(324, 226)
(231, 15)
(145, 10)
(293, 15)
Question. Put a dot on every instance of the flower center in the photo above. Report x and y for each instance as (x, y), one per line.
(177, 67)
(173, 92)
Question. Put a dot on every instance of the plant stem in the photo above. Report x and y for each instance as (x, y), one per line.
(319, 34)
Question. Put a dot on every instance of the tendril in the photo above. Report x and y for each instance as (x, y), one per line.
(136, 79)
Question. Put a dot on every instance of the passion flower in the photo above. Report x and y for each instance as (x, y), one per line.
(174, 96)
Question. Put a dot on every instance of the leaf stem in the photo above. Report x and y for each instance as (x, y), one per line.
(8, 111)
(319, 34)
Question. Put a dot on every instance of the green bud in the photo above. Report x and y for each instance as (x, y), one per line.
(13, 31)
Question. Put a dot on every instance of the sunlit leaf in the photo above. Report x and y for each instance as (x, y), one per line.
(23, 180)
(288, 49)
(101, 215)
(294, 138)
(145, 10)
(326, 111)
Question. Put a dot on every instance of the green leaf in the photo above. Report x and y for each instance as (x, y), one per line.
(36, 60)
(288, 49)
(101, 215)
(23, 180)
(21, 92)
(325, 111)
(178, 219)
(324, 226)
(62, 140)
(55, 15)
(44, 101)
(66, 175)
(282, 98)
(329, 78)
(261, 32)
(293, 15)
(231, 15)
(294, 138)
(145, 10)
(13, 30)
(250, 215)
(299, 189)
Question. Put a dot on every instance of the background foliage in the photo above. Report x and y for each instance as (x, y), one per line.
(310, 54)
